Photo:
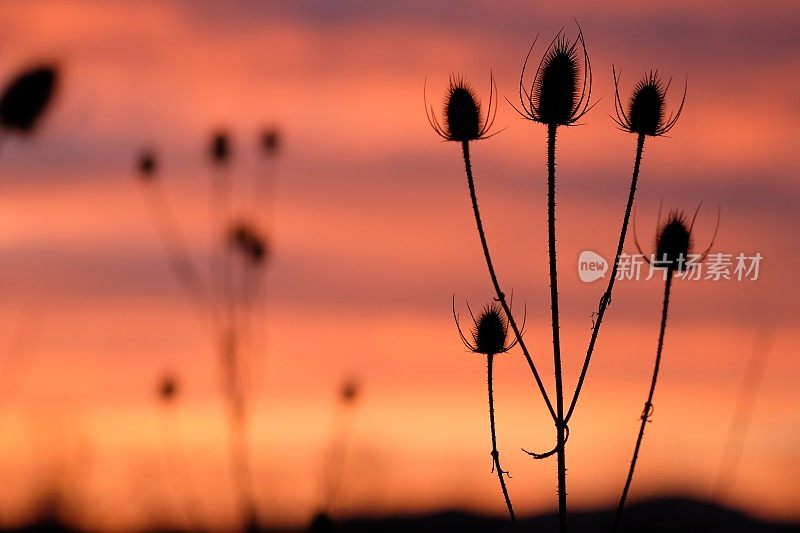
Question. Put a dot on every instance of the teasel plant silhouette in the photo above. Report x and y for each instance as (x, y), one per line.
(26, 98)
(464, 121)
(176, 469)
(646, 116)
(489, 337)
(559, 94)
(674, 255)
(227, 299)
(178, 255)
(334, 466)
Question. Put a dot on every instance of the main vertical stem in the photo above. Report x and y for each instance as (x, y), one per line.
(648, 405)
(495, 453)
(605, 300)
(551, 231)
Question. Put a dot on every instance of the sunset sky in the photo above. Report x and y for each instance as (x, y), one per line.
(372, 234)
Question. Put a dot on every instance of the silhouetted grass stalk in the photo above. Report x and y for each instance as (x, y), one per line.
(648, 405)
(605, 300)
(496, 454)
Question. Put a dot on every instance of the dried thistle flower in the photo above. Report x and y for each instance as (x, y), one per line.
(220, 149)
(646, 113)
(26, 97)
(462, 117)
(561, 89)
(147, 165)
(489, 332)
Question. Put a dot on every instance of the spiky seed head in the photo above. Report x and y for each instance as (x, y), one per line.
(674, 242)
(147, 165)
(556, 91)
(491, 331)
(270, 141)
(646, 106)
(462, 112)
(220, 149)
(26, 98)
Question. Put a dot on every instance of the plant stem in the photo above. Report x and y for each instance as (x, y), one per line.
(500, 295)
(648, 405)
(495, 453)
(605, 300)
(551, 248)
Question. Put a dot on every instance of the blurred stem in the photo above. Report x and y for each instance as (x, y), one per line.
(500, 295)
(551, 248)
(178, 255)
(173, 452)
(495, 453)
(648, 405)
(749, 390)
(605, 300)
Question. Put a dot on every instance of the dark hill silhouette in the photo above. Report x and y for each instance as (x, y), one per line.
(662, 515)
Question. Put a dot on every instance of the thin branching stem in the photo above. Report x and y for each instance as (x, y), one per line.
(500, 295)
(495, 453)
(648, 405)
(605, 300)
(551, 248)
(178, 255)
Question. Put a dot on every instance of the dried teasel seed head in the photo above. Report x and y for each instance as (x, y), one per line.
(26, 98)
(463, 119)
(462, 112)
(556, 90)
(561, 90)
(646, 110)
(646, 107)
(490, 331)
(674, 242)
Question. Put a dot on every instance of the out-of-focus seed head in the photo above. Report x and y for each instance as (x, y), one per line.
(220, 148)
(561, 89)
(246, 240)
(463, 118)
(646, 113)
(168, 388)
(674, 242)
(26, 98)
(350, 391)
(270, 141)
(147, 166)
